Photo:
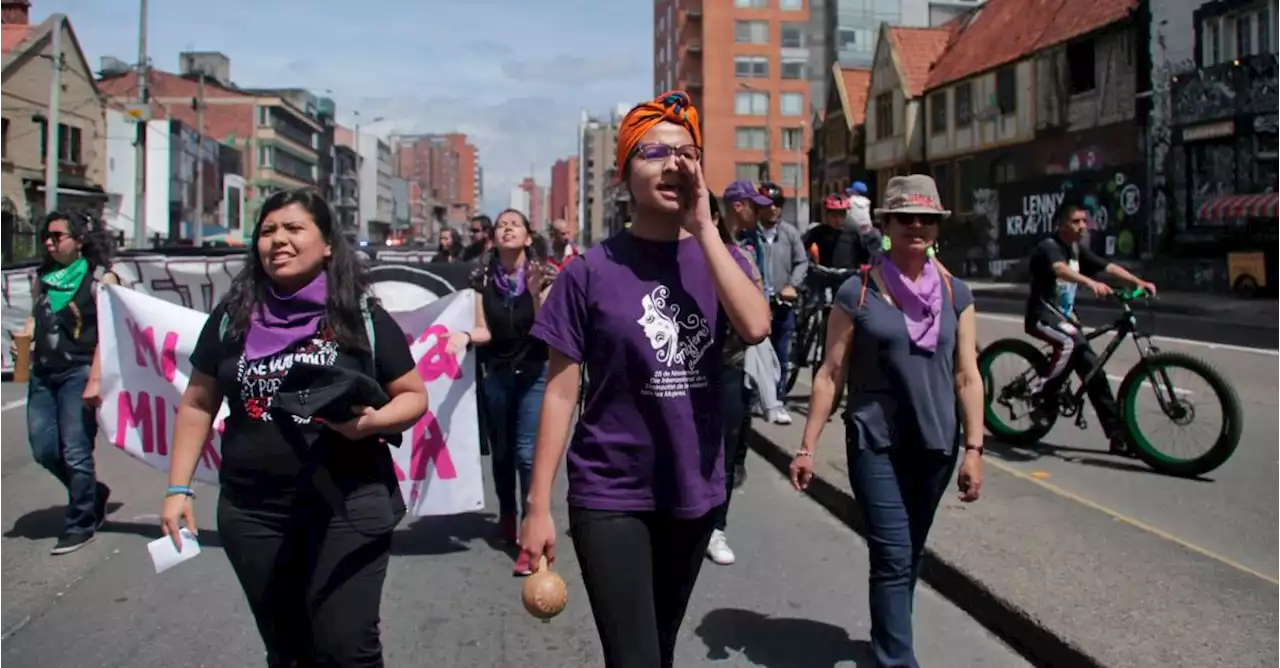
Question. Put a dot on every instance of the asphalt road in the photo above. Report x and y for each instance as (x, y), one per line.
(796, 597)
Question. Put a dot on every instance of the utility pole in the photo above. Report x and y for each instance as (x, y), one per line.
(140, 144)
(199, 104)
(52, 125)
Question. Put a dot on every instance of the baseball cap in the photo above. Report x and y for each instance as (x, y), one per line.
(740, 191)
(858, 187)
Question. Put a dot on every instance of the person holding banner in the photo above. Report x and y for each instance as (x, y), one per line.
(63, 387)
(307, 507)
(647, 314)
(510, 291)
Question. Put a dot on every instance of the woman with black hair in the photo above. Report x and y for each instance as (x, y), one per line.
(450, 246)
(63, 389)
(510, 289)
(307, 507)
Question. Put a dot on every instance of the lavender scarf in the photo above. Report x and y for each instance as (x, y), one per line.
(920, 302)
(509, 286)
(283, 320)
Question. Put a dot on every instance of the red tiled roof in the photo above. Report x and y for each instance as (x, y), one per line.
(917, 49)
(1004, 31)
(856, 84)
(12, 36)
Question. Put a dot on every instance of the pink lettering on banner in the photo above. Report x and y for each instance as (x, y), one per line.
(144, 345)
(428, 446)
(131, 415)
(437, 361)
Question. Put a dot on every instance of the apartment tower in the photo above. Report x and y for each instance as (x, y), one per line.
(749, 67)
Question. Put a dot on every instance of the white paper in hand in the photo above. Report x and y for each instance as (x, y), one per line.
(165, 556)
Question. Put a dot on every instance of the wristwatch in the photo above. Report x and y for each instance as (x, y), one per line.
(976, 448)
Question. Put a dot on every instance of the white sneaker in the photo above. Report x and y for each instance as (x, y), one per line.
(718, 550)
(779, 416)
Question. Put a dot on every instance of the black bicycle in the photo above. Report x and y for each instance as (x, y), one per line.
(809, 341)
(1153, 372)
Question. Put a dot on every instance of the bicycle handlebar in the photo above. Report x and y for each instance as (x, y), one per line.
(1131, 295)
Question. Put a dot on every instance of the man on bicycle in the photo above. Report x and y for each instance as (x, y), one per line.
(1059, 266)
(861, 241)
(784, 270)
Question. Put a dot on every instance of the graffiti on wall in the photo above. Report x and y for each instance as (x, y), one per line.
(1021, 214)
(1159, 140)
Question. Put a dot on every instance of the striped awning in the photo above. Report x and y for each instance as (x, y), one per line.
(1265, 205)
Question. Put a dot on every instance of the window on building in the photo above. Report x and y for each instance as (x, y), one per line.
(751, 103)
(791, 104)
(1007, 90)
(795, 67)
(1080, 66)
(846, 38)
(1003, 171)
(69, 146)
(1244, 35)
(965, 184)
(962, 101)
(791, 5)
(751, 4)
(938, 113)
(884, 115)
(751, 139)
(792, 174)
(1212, 42)
(747, 171)
(751, 67)
(751, 32)
(793, 35)
(792, 139)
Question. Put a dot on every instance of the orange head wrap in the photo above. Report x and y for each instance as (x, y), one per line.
(673, 106)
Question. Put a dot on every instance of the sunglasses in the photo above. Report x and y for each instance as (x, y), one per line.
(55, 237)
(664, 151)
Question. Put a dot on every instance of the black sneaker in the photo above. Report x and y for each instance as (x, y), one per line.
(739, 475)
(71, 542)
(1119, 446)
(104, 494)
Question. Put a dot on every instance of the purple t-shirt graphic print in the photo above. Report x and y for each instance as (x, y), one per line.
(644, 319)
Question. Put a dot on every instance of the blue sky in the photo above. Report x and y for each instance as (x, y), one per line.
(512, 74)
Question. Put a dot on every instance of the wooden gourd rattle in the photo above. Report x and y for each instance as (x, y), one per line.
(544, 593)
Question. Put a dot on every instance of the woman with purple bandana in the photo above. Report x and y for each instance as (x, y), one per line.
(646, 314)
(906, 333)
(306, 508)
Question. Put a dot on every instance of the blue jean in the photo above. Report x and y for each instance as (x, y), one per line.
(514, 404)
(898, 491)
(735, 412)
(784, 324)
(62, 431)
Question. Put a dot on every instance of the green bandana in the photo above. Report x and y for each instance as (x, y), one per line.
(62, 284)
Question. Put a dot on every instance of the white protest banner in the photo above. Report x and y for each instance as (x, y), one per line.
(146, 345)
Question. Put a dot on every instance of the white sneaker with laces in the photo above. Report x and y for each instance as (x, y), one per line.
(718, 549)
(779, 416)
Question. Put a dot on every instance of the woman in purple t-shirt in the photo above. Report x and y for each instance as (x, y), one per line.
(646, 313)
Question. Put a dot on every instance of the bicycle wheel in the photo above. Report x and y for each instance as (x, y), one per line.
(1178, 406)
(802, 343)
(1013, 396)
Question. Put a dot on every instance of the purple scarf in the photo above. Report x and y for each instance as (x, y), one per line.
(283, 320)
(920, 302)
(509, 286)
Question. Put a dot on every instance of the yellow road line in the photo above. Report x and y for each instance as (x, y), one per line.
(1136, 523)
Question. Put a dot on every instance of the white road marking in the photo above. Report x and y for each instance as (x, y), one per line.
(1177, 390)
(17, 403)
(1167, 339)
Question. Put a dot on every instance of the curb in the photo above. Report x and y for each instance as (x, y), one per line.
(1014, 625)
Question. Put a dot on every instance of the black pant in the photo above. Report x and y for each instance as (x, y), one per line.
(1071, 351)
(734, 406)
(639, 570)
(313, 579)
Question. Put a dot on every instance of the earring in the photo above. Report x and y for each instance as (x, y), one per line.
(885, 244)
(930, 252)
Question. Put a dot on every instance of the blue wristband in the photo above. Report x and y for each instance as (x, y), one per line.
(175, 490)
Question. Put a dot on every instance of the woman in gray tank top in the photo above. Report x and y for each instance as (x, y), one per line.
(907, 335)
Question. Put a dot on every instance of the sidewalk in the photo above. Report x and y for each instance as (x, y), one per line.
(1068, 584)
(1206, 305)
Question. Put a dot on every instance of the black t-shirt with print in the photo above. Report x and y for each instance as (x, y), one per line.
(261, 462)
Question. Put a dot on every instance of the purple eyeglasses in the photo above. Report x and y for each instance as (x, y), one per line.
(664, 151)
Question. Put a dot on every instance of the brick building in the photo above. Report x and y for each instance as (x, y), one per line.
(562, 201)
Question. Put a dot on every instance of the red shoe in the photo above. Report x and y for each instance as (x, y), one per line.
(523, 565)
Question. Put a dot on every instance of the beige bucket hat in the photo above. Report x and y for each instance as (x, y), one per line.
(913, 193)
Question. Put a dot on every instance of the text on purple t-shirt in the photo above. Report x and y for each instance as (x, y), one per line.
(644, 318)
